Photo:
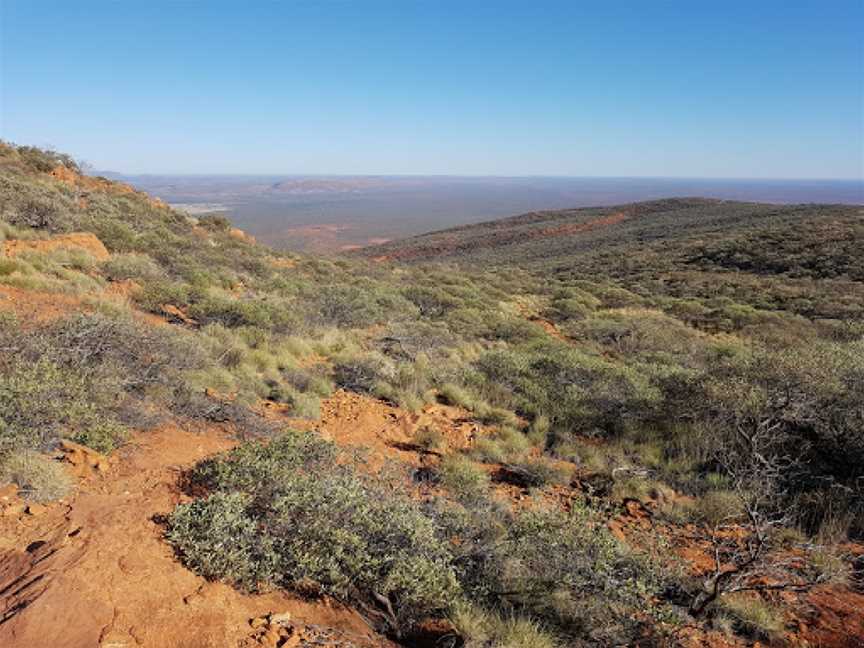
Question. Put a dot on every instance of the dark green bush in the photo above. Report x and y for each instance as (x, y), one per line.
(361, 374)
(215, 222)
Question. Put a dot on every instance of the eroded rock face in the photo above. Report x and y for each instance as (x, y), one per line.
(75, 241)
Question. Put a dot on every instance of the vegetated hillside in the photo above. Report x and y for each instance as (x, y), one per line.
(550, 238)
(505, 455)
(805, 259)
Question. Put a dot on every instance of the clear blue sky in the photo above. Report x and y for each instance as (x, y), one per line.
(650, 88)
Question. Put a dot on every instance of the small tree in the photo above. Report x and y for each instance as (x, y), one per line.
(762, 450)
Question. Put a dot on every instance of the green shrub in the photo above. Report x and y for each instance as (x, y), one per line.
(102, 435)
(563, 568)
(233, 312)
(295, 517)
(8, 266)
(512, 442)
(299, 518)
(453, 394)
(42, 401)
(214, 222)
(577, 391)
(139, 267)
(354, 306)
(486, 629)
(538, 433)
(45, 160)
(89, 377)
(218, 538)
(26, 206)
(361, 374)
(488, 451)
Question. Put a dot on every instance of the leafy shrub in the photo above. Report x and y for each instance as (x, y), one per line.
(718, 507)
(298, 517)
(432, 302)
(8, 266)
(488, 451)
(42, 401)
(200, 532)
(45, 160)
(232, 312)
(103, 436)
(578, 392)
(27, 206)
(215, 222)
(563, 568)
(84, 376)
(354, 306)
(453, 394)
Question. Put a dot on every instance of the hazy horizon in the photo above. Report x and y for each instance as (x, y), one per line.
(275, 175)
(327, 213)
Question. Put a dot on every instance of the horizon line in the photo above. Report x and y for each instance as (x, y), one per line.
(471, 176)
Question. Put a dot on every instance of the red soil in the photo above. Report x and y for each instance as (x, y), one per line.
(385, 432)
(33, 307)
(89, 183)
(77, 240)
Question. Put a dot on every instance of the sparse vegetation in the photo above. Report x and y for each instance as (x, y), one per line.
(702, 357)
(38, 478)
(462, 479)
(299, 518)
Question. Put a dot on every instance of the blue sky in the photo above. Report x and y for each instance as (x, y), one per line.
(704, 89)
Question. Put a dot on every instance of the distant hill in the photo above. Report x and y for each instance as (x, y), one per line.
(553, 237)
(327, 214)
(806, 259)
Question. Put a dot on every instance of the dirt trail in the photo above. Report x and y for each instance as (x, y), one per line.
(94, 571)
